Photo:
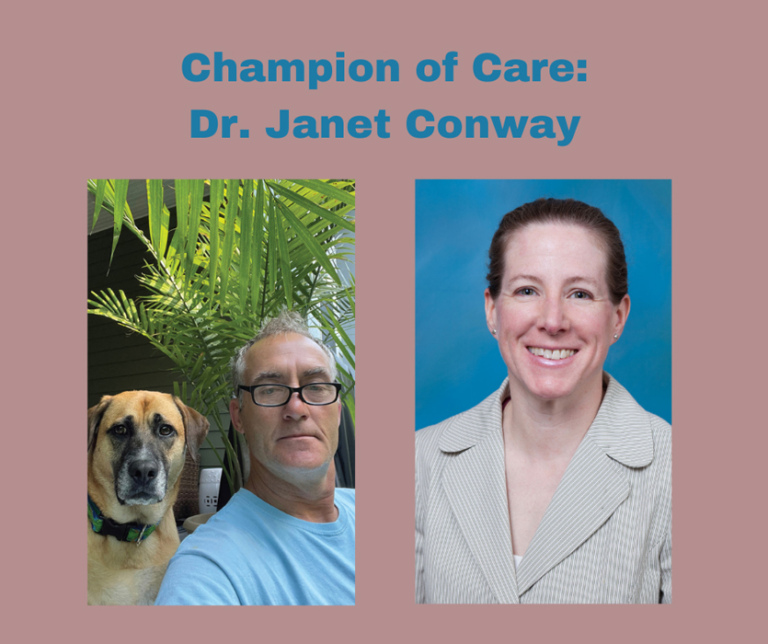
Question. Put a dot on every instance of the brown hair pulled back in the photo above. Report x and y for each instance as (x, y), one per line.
(565, 211)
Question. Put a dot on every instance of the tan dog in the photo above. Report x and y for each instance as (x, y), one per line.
(137, 441)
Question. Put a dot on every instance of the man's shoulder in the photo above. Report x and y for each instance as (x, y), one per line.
(225, 530)
(345, 499)
(251, 553)
(246, 514)
(346, 494)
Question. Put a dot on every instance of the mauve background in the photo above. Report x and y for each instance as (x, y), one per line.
(676, 91)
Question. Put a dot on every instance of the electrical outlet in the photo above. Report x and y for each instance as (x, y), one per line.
(210, 479)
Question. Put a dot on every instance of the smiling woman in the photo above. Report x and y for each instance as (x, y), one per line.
(535, 493)
(553, 308)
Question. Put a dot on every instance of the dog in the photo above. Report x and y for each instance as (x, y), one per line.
(137, 443)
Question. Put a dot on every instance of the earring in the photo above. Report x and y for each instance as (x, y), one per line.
(494, 332)
(615, 336)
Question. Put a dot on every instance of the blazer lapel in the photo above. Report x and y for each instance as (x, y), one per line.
(594, 485)
(592, 488)
(474, 482)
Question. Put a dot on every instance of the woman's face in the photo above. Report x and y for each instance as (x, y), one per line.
(553, 317)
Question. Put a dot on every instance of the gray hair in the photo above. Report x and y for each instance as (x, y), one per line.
(285, 322)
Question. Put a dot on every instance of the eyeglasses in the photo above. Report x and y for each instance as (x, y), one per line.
(314, 393)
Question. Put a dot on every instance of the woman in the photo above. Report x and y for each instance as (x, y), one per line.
(556, 488)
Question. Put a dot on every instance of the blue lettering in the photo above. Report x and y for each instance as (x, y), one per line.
(212, 124)
(538, 65)
(568, 132)
(283, 127)
(365, 75)
(359, 127)
(325, 127)
(220, 63)
(453, 131)
(449, 62)
(186, 67)
(517, 70)
(509, 125)
(305, 127)
(561, 70)
(412, 126)
(482, 121)
(252, 70)
(581, 77)
(428, 70)
(477, 67)
(381, 68)
(544, 127)
(285, 66)
(381, 124)
(319, 71)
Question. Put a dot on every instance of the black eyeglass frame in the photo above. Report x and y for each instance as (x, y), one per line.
(291, 391)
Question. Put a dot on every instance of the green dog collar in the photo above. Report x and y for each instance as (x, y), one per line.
(133, 532)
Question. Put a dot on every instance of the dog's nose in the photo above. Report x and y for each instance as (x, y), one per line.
(143, 471)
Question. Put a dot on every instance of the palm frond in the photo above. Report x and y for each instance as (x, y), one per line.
(220, 265)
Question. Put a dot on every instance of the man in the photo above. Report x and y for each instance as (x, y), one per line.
(288, 536)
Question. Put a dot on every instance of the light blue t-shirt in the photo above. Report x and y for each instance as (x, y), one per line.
(251, 553)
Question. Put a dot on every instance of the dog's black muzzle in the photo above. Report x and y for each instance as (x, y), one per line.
(141, 479)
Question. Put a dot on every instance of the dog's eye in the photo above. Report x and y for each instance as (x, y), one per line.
(119, 430)
(166, 430)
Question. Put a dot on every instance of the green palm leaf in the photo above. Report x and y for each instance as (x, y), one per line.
(220, 264)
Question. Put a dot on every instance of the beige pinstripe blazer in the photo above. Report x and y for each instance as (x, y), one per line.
(605, 537)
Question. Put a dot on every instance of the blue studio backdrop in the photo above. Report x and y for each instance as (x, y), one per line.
(457, 360)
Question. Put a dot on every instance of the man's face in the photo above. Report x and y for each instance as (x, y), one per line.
(296, 438)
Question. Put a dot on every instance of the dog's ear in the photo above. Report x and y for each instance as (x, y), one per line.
(95, 415)
(195, 427)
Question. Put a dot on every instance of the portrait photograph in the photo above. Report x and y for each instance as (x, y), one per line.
(221, 392)
(543, 391)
